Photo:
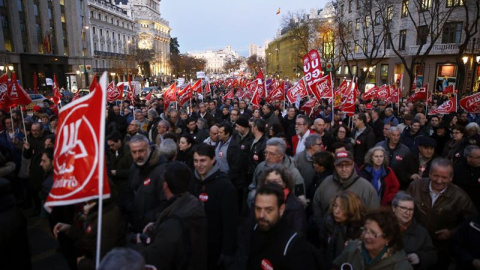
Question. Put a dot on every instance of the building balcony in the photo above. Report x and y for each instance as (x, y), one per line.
(440, 49)
(108, 54)
(108, 7)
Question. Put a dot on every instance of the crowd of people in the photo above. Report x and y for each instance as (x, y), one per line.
(220, 184)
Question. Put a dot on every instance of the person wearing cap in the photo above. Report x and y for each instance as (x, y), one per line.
(416, 164)
(407, 120)
(344, 178)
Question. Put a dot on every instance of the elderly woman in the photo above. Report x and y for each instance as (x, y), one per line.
(454, 147)
(416, 241)
(382, 177)
(379, 248)
(473, 134)
(294, 210)
(343, 223)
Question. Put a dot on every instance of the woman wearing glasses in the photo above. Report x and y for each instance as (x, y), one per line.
(416, 241)
(380, 245)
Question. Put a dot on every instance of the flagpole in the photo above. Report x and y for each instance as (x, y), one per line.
(333, 101)
(23, 122)
(103, 86)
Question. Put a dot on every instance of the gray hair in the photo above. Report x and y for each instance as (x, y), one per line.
(279, 142)
(164, 123)
(473, 125)
(369, 154)
(139, 138)
(469, 149)
(401, 196)
(203, 121)
(305, 118)
(122, 258)
(168, 148)
(138, 111)
(311, 140)
(153, 113)
(136, 122)
(393, 129)
(442, 162)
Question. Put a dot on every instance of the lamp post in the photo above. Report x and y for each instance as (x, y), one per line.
(84, 52)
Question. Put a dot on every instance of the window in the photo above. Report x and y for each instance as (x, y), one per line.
(357, 47)
(452, 32)
(402, 39)
(350, 4)
(422, 35)
(341, 10)
(377, 41)
(354, 70)
(389, 13)
(349, 27)
(357, 24)
(378, 17)
(425, 5)
(455, 3)
(101, 32)
(404, 8)
(386, 42)
(99, 16)
(94, 30)
(365, 45)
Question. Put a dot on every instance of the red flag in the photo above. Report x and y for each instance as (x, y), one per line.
(169, 96)
(260, 79)
(447, 107)
(76, 96)
(448, 89)
(207, 87)
(312, 69)
(256, 98)
(15, 94)
(113, 92)
(56, 91)
(35, 83)
(323, 88)
(394, 94)
(471, 103)
(131, 91)
(383, 92)
(370, 93)
(299, 89)
(3, 89)
(421, 94)
(229, 95)
(349, 105)
(185, 95)
(341, 93)
(278, 93)
(308, 106)
(93, 84)
(197, 87)
(79, 171)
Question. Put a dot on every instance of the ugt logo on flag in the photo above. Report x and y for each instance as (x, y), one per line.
(79, 151)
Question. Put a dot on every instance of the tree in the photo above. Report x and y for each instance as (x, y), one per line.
(232, 65)
(427, 18)
(186, 66)
(174, 46)
(143, 57)
(255, 63)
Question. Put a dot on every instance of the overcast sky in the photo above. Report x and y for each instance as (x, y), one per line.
(214, 24)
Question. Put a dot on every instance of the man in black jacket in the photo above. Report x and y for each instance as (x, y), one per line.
(178, 238)
(364, 138)
(273, 243)
(146, 196)
(214, 188)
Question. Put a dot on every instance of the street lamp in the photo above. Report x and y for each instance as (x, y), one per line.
(10, 68)
(465, 59)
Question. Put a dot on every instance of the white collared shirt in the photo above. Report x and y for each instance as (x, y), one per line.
(301, 142)
(433, 194)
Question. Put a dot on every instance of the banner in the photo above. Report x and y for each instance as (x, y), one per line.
(79, 172)
(447, 107)
(471, 103)
(56, 91)
(113, 92)
(197, 87)
(15, 94)
(299, 89)
(312, 68)
(278, 93)
(421, 94)
(324, 87)
(3, 89)
(185, 95)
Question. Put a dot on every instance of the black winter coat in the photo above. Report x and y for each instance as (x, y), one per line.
(363, 143)
(146, 196)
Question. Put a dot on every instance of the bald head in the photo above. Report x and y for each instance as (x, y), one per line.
(319, 125)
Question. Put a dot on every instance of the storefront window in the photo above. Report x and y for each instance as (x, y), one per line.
(446, 75)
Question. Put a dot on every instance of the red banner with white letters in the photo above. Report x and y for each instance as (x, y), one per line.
(79, 165)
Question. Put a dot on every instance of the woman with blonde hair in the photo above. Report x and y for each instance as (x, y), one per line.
(343, 223)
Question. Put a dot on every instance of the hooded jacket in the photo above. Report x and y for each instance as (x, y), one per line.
(219, 198)
(332, 185)
(146, 196)
(179, 236)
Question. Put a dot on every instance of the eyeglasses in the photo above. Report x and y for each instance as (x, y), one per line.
(405, 209)
(366, 232)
